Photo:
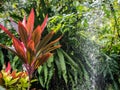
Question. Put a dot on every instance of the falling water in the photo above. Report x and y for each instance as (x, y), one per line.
(91, 53)
(90, 50)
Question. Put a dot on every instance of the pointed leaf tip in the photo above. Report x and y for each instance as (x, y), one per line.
(24, 21)
(36, 35)
(6, 31)
(8, 67)
(44, 23)
(30, 22)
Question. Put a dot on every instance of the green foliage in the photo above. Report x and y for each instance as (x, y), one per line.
(1, 58)
(87, 27)
(11, 80)
(49, 69)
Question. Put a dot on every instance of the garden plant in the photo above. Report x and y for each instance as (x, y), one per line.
(31, 49)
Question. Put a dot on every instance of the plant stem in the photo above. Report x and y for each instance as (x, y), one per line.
(29, 82)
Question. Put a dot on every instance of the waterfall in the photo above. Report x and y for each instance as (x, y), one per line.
(89, 50)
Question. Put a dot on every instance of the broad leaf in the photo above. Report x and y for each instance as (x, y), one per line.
(19, 49)
(30, 22)
(23, 33)
(36, 35)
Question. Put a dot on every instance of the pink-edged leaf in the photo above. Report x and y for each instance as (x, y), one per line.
(36, 35)
(8, 68)
(24, 21)
(19, 49)
(23, 33)
(14, 25)
(6, 31)
(44, 23)
(30, 22)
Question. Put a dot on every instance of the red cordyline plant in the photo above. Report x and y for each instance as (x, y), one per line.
(31, 49)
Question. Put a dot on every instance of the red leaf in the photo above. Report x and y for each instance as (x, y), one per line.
(19, 49)
(8, 48)
(23, 33)
(24, 22)
(8, 67)
(24, 74)
(13, 74)
(30, 51)
(49, 46)
(31, 46)
(40, 60)
(36, 35)
(19, 75)
(45, 40)
(6, 31)
(30, 22)
(44, 23)
(0, 77)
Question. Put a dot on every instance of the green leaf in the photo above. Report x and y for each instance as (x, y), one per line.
(39, 69)
(45, 68)
(50, 75)
(15, 60)
(33, 80)
(62, 64)
(13, 81)
(1, 58)
(58, 67)
(70, 60)
(41, 81)
(50, 61)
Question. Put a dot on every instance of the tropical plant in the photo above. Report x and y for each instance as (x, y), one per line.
(62, 68)
(32, 50)
(12, 79)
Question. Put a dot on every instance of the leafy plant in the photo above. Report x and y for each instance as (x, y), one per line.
(12, 79)
(32, 50)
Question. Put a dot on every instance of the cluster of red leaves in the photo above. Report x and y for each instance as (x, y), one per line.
(31, 49)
